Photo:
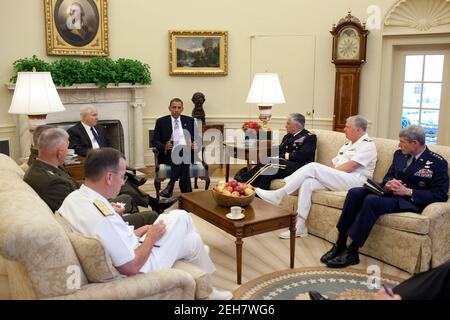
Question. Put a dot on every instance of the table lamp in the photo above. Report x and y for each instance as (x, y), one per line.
(35, 95)
(265, 91)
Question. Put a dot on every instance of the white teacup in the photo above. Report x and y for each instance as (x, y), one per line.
(236, 211)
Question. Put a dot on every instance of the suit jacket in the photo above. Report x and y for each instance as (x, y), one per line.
(427, 176)
(80, 141)
(298, 150)
(163, 133)
(52, 184)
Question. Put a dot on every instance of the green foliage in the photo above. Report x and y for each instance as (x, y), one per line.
(133, 71)
(27, 65)
(66, 72)
(101, 71)
(98, 70)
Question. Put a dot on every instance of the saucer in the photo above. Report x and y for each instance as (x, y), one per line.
(239, 217)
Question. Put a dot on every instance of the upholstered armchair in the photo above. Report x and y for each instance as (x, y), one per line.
(42, 258)
(197, 170)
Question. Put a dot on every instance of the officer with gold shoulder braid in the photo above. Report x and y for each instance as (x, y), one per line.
(297, 148)
(171, 238)
(52, 183)
(416, 178)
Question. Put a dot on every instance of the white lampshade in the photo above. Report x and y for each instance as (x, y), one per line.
(266, 90)
(35, 94)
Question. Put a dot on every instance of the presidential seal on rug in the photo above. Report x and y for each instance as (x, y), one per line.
(294, 284)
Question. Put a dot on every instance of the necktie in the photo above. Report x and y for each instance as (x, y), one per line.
(97, 138)
(175, 134)
(410, 161)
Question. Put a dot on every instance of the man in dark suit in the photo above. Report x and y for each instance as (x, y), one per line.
(87, 135)
(54, 184)
(416, 178)
(175, 141)
(297, 148)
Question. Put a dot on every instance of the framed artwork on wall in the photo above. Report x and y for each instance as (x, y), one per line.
(198, 53)
(76, 27)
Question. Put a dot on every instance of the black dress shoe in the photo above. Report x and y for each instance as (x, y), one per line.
(167, 192)
(164, 204)
(314, 295)
(135, 179)
(333, 253)
(344, 260)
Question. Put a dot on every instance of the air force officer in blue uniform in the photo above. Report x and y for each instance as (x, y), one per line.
(416, 178)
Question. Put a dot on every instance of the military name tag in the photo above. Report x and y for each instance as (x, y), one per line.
(103, 208)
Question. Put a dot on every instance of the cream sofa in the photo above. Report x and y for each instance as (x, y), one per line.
(39, 256)
(409, 241)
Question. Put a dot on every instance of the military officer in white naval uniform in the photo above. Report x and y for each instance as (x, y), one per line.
(88, 211)
(353, 165)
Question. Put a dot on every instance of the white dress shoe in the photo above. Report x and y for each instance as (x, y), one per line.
(274, 197)
(302, 231)
(220, 295)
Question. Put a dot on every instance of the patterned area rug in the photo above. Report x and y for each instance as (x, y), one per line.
(294, 284)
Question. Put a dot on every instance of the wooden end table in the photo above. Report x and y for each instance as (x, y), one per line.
(260, 217)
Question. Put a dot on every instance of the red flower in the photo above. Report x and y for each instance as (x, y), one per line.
(251, 125)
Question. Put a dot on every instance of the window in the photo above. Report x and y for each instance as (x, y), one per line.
(422, 91)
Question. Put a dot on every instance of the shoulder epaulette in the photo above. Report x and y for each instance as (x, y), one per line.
(437, 156)
(103, 208)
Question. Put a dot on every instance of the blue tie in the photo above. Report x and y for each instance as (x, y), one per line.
(97, 138)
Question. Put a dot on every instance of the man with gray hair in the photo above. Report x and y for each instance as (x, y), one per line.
(416, 178)
(297, 148)
(353, 165)
(53, 184)
(87, 135)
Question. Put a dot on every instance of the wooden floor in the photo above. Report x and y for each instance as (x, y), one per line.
(265, 253)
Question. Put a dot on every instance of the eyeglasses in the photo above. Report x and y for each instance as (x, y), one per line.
(124, 178)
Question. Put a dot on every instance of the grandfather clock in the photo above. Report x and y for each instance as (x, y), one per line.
(349, 54)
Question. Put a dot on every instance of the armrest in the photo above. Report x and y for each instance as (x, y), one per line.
(156, 153)
(439, 215)
(140, 286)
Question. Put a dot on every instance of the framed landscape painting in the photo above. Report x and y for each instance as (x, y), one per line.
(76, 27)
(198, 53)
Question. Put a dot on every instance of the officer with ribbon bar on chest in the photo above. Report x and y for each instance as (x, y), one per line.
(416, 178)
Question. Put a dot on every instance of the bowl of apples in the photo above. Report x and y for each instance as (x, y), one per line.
(233, 193)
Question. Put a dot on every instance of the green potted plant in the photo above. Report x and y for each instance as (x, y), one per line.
(98, 70)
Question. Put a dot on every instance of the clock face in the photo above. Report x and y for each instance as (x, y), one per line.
(348, 45)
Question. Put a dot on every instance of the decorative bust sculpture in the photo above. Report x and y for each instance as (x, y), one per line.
(198, 113)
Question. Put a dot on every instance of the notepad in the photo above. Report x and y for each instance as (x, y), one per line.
(374, 187)
(169, 220)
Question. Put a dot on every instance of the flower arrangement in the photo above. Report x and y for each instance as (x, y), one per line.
(251, 125)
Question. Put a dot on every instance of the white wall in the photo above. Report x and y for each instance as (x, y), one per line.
(138, 29)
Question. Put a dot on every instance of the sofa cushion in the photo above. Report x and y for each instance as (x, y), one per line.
(327, 198)
(406, 221)
(95, 261)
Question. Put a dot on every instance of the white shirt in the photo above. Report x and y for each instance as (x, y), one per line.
(178, 133)
(91, 135)
(115, 235)
(362, 151)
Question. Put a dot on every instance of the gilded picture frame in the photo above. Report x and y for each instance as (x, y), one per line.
(76, 27)
(198, 53)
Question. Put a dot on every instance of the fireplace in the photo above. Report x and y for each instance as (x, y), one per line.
(122, 103)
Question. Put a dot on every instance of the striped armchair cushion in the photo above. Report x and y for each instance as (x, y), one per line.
(196, 170)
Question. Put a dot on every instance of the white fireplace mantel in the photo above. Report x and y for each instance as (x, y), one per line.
(123, 102)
